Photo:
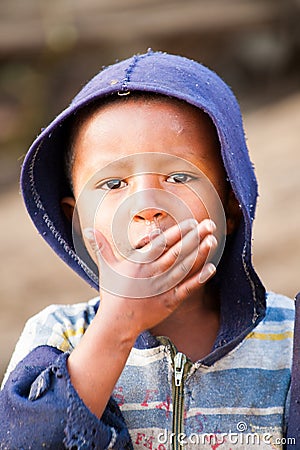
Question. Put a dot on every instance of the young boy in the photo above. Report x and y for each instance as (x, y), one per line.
(135, 186)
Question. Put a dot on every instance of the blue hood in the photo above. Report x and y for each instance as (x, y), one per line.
(43, 181)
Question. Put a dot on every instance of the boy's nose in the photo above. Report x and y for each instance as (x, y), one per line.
(147, 202)
(149, 215)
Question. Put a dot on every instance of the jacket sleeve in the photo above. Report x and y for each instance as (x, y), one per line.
(39, 408)
(293, 432)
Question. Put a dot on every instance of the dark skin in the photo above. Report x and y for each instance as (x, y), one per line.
(187, 313)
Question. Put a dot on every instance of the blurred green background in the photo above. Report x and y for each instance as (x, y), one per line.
(48, 50)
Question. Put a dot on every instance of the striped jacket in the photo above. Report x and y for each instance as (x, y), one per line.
(167, 401)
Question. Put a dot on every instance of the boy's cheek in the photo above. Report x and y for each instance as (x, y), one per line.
(209, 206)
(121, 232)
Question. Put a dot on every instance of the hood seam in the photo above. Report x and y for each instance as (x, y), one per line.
(128, 72)
(243, 294)
(56, 234)
(252, 284)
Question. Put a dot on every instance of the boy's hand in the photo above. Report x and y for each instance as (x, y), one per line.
(175, 268)
(144, 289)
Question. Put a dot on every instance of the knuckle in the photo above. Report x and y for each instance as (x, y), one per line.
(188, 290)
(183, 267)
(175, 252)
(159, 242)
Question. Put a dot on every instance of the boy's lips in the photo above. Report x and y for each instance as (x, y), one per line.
(147, 238)
(142, 237)
(142, 242)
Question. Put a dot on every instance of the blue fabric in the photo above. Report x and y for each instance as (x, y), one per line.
(294, 413)
(18, 430)
(256, 375)
(242, 293)
(39, 408)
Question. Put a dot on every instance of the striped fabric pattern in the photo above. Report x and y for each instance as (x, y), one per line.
(238, 402)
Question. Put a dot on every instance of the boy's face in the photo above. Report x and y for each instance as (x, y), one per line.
(141, 166)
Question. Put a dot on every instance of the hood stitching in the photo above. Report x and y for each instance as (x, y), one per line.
(247, 228)
(51, 225)
(128, 72)
(251, 282)
(130, 69)
(66, 246)
(124, 87)
(39, 204)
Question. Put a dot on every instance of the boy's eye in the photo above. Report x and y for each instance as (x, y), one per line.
(114, 183)
(179, 178)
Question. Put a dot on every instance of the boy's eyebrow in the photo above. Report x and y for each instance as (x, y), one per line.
(119, 164)
(132, 166)
(118, 168)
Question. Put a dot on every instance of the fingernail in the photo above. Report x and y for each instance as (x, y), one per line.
(212, 226)
(89, 234)
(194, 223)
(211, 240)
(154, 233)
(207, 271)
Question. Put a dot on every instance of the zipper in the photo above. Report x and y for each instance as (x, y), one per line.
(181, 366)
(178, 399)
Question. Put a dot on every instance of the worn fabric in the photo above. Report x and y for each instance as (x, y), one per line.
(49, 412)
(294, 416)
(242, 294)
(245, 391)
(246, 376)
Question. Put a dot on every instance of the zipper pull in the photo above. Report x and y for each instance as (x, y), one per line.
(179, 363)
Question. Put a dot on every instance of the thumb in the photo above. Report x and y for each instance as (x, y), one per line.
(99, 245)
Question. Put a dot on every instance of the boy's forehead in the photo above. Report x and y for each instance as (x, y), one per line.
(162, 112)
(171, 107)
(146, 163)
(119, 129)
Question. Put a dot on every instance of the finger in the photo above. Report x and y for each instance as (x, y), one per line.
(191, 285)
(193, 261)
(99, 245)
(161, 241)
(172, 235)
(205, 253)
(206, 273)
(189, 243)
